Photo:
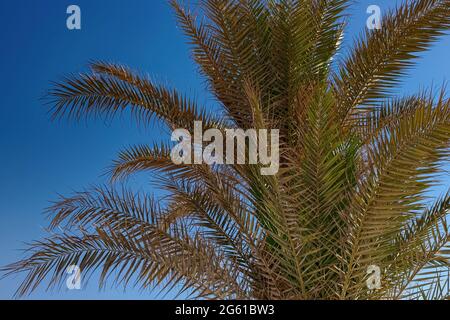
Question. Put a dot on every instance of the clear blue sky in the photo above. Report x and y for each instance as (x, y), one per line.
(39, 159)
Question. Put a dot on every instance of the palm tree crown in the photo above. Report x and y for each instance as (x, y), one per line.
(356, 164)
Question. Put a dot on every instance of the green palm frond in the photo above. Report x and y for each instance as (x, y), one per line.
(405, 160)
(423, 245)
(381, 57)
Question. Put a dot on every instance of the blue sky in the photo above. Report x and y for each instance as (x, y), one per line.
(40, 159)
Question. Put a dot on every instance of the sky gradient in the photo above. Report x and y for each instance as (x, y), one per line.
(40, 159)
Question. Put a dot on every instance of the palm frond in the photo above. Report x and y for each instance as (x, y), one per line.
(127, 241)
(381, 57)
(422, 252)
(112, 89)
(406, 160)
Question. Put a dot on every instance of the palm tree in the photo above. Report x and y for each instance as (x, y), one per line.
(352, 193)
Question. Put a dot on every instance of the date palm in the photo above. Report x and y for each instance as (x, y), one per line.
(357, 164)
